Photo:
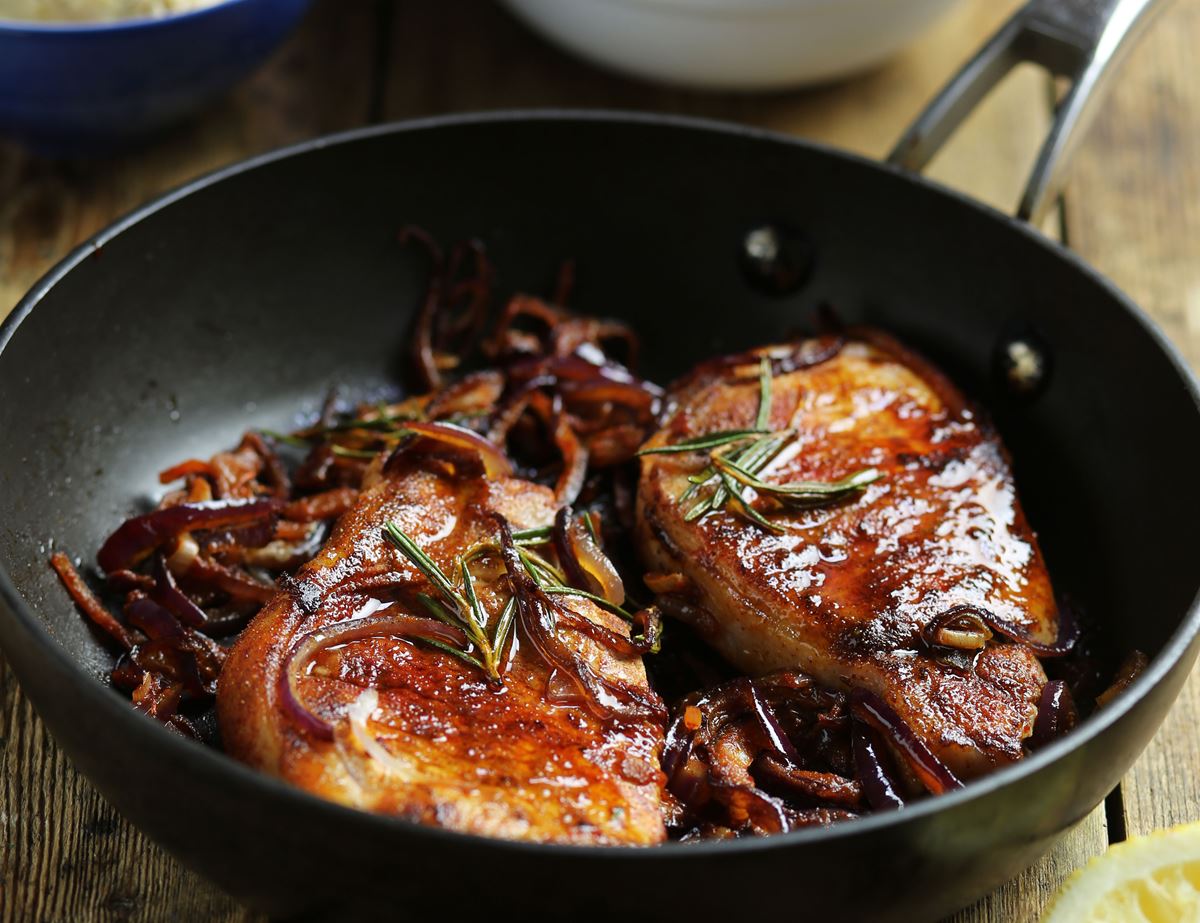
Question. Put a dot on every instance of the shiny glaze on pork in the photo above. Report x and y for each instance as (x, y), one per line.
(433, 741)
(845, 590)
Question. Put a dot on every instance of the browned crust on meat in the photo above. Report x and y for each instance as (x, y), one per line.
(460, 754)
(846, 590)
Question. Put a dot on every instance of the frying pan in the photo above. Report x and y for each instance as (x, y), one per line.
(239, 299)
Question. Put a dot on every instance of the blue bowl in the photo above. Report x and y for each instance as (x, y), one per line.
(84, 88)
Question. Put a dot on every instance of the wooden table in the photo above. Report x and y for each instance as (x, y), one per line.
(1132, 209)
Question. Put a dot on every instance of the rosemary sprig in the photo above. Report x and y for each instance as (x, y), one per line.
(763, 420)
(382, 422)
(700, 443)
(735, 459)
(460, 609)
(458, 605)
(801, 492)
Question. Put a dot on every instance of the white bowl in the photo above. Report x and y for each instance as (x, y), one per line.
(732, 44)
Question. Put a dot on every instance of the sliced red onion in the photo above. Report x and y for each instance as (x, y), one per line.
(1130, 669)
(87, 602)
(956, 629)
(785, 778)
(933, 773)
(177, 663)
(146, 614)
(238, 585)
(354, 629)
(421, 339)
(764, 712)
(167, 594)
(880, 789)
(1068, 629)
(495, 464)
(1056, 714)
(538, 617)
(574, 458)
(139, 536)
(585, 565)
(184, 469)
(678, 746)
(745, 804)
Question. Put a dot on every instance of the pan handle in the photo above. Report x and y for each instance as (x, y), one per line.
(1082, 40)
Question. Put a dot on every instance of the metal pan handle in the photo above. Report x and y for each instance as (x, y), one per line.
(1082, 40)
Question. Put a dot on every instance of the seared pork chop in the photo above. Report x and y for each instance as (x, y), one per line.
(849, 590)
(396, 725)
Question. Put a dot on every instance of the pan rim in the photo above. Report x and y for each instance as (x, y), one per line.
(216, 763)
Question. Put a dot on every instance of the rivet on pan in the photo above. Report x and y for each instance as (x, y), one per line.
(776, 259)
(1023, 362)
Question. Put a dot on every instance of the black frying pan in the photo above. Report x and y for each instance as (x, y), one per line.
(240, 298)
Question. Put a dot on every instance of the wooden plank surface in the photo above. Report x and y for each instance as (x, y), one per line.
(1133, 211)
(67, 855)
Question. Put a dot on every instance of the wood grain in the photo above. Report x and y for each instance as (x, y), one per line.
(1133, 211)
(485, 59)
(318, 82)
(67, 855)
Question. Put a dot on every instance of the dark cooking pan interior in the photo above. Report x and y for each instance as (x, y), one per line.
(239, 303)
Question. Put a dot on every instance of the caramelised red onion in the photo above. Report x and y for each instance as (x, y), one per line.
(776, 736)
(137, 537)
(87, 602)
(878, 785)
(746, 805)
(574, 458)
(933, 773)
(424, 359)
(539, 619)
(1056, 714)
(235, 583)
(696, 755)
(157, 623)
(184, 469)
(584, 564)
(1068, 629)
(958, 629)
(784, 777)
(495, 464)
(353, 629)
(167, 594)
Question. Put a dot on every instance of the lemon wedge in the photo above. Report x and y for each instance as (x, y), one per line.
(1148, 879)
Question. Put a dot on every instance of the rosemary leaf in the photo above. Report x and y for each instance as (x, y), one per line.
(461, 655)
(591, 527)
(354, 453)
(538, 536)
(800, 491)
(764, 395)
(425, 564)
(473, 607)
(598, 600)
(701, 443)
(435, 608)
(745, 508)
(287, 438)
(503, 628)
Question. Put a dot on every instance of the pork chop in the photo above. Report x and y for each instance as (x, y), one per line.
(848, 590)
(396, 725)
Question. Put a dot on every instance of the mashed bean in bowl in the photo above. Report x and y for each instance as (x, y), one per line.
(95, 10)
